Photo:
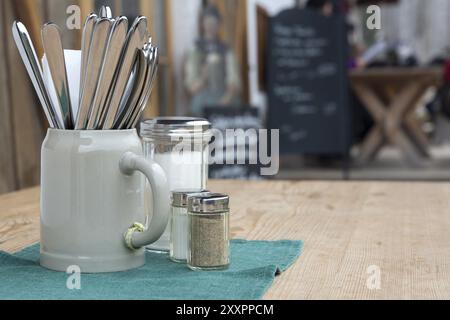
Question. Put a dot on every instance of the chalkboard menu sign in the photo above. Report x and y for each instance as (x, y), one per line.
(223, 118)
(307, 82)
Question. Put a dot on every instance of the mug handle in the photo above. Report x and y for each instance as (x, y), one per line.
(137, 236)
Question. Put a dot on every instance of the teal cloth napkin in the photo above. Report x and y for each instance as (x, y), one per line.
(254, 265)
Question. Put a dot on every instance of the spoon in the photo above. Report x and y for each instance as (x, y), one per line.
(143, 100)
(29, 57)
(129, 87)
(138, 86)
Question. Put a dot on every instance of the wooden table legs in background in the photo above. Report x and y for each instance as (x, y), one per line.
(392, 108)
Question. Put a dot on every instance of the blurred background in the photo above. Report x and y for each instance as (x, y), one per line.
(358, 89)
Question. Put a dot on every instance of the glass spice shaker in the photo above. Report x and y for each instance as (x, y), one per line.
(208, 222)
(179, 224)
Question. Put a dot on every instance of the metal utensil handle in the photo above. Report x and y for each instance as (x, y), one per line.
(114, 48)
(147, 91)
(30, 59)
(138, 85)
(96, 55)
(51, 40)
(105, 12)
(135, 41)
(85, 47)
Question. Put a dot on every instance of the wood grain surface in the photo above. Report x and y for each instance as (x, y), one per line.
(8, 181)
(348, 228)
(23, 115)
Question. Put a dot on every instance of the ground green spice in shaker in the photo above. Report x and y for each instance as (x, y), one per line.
(208, 223)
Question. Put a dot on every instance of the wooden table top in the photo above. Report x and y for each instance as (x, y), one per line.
(397, 74)
(355, 234)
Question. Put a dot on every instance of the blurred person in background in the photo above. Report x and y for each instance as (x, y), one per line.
(211, 71)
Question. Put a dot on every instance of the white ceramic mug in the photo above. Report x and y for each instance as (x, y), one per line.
(92, 201)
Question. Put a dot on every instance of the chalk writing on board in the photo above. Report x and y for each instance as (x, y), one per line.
(292, 93)
(223, 118)
(307, 83)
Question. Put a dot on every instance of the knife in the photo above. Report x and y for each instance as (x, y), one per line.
(135, 41)
(51, 39)
(85, 45)
(93, 68)
(115, 45)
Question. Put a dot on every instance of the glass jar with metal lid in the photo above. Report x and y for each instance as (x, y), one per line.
(208, 223)
(180, 146)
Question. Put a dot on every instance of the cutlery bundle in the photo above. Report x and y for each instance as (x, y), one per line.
(117, 68)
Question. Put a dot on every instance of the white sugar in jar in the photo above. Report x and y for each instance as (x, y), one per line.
(180, 146)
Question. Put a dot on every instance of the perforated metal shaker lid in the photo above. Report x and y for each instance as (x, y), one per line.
(179, 197)
(175, 127)
(208, 203)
